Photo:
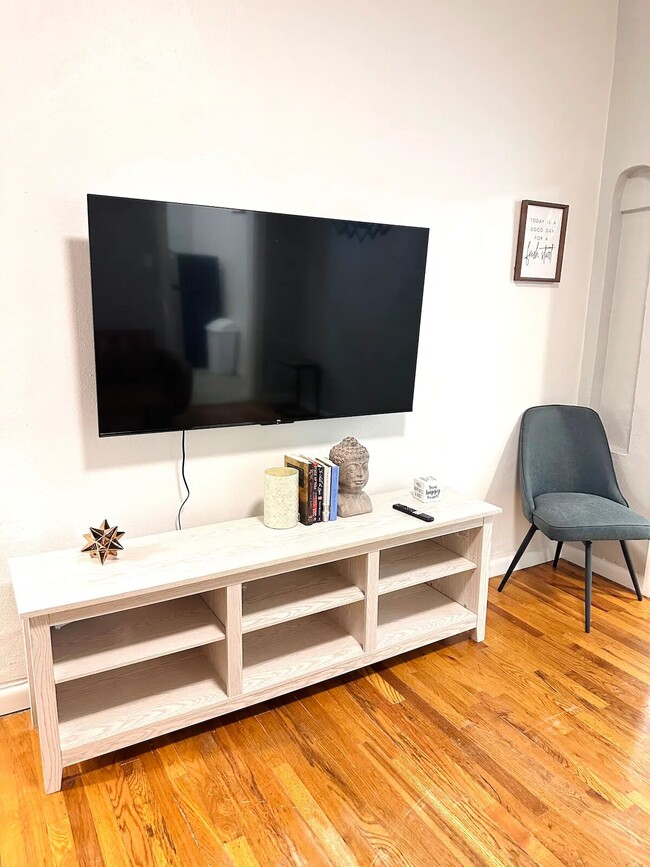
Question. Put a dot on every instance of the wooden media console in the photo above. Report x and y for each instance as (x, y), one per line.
(190, 625)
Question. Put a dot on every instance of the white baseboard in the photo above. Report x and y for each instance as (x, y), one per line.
(613, 571)
(14, 697)
(498, 565)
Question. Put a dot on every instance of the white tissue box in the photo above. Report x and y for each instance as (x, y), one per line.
(425, 489)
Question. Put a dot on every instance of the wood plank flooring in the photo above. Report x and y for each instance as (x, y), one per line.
(531, 748)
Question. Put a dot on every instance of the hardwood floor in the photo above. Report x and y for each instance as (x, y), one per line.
(531, 748)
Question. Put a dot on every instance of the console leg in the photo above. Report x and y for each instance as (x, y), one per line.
(30, 676)
(45, 694)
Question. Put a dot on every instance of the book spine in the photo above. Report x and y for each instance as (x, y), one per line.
(320, 488)
(304, 501)
(313, 493)
(334, 492)
(327, 470)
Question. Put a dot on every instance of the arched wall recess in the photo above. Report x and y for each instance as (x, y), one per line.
(620, 334)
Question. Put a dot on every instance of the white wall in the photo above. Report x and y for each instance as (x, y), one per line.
(617, 338)
(425, 112)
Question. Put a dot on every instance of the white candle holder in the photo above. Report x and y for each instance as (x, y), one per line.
(281, 498)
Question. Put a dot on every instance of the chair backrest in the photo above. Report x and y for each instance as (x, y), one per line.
(564, 449)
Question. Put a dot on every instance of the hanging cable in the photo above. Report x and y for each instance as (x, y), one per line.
(179, 525)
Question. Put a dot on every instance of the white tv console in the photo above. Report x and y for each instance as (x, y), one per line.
(190, 625)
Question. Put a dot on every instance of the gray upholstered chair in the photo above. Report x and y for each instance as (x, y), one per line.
(569, 489)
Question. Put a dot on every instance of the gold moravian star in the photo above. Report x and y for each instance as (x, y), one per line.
(103, 542)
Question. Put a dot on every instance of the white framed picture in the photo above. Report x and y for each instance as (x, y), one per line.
(540, 243)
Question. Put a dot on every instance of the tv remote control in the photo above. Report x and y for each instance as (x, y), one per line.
(408, 510)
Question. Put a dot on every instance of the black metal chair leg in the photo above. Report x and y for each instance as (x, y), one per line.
(557, 554)
(517, 557)
(588, 586)
(630, 568)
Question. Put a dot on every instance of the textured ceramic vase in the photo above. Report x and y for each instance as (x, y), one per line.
(281, 498)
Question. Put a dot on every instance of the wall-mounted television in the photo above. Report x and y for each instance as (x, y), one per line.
(210, 316)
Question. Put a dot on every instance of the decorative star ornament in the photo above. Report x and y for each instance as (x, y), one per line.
(103, 542)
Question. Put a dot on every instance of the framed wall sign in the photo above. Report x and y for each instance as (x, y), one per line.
(540, 244)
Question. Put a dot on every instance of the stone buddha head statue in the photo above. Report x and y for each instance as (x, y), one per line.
(352, 459)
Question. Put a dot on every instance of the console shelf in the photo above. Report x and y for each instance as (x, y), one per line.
(420, 612)
(191, 625)
(415, 564)
(287, 597)
(110, 641)
(112, 709)
(283, 654)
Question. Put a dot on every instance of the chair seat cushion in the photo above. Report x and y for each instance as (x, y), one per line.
(585, 517)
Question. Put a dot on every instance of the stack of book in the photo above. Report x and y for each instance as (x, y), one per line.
(318, 488)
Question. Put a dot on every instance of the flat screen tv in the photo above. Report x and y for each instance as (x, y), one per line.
(207, 316)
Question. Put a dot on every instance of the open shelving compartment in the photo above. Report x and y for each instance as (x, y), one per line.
(425, 589)
(420, 612)
(132, 706)
(419, 562)
(288, 596)
(97, 644)
(156, 663)
(304, 622)
(291, 651)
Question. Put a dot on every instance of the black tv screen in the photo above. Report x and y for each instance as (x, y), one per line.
(207, 316)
